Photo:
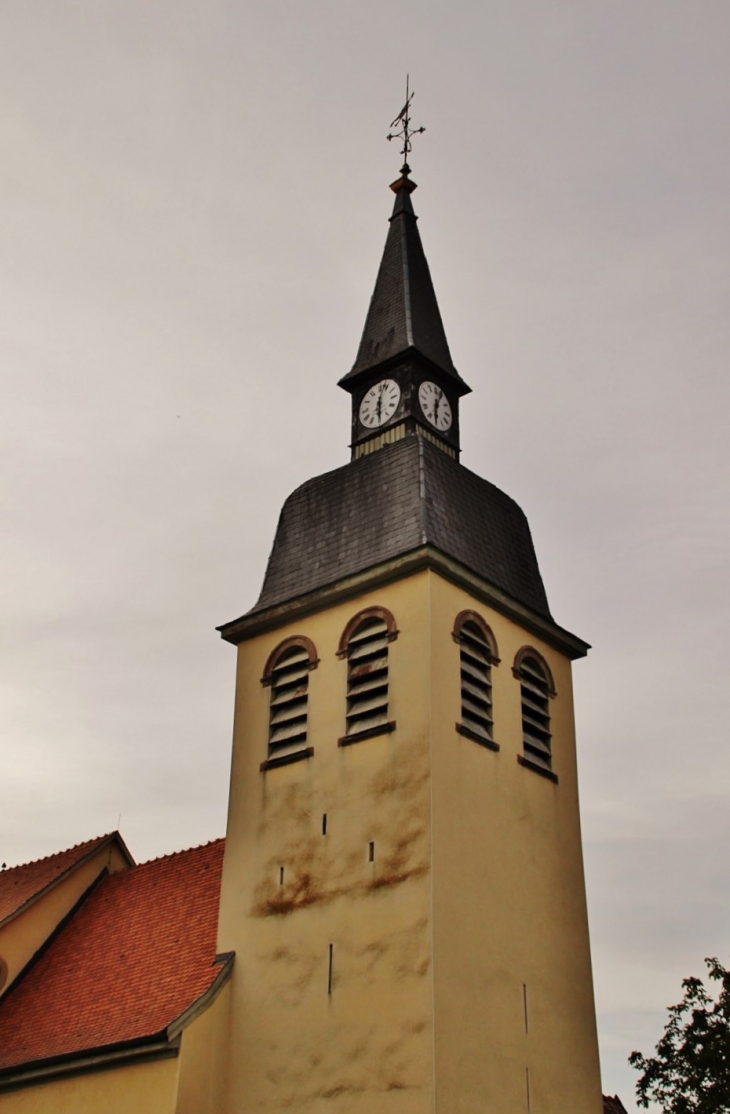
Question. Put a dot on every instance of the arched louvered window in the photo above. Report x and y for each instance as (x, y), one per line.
(287, 674)
(536, 691)
(477, 655)
(365, 644)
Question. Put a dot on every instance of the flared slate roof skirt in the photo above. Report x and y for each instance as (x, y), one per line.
(390, 503)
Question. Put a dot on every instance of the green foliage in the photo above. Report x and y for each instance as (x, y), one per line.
(690, 1073)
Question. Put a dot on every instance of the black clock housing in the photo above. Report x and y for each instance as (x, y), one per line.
(409, 372)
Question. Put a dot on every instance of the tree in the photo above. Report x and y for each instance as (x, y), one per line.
(690, 1073)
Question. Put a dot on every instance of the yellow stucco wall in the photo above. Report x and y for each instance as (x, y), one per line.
(510, 921)
(476, 889)
(203, 1050)
(296, 1047)
(21, 937)
(135, 1089)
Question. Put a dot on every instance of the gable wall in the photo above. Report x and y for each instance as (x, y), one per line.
(21, 937)
(202, 1059)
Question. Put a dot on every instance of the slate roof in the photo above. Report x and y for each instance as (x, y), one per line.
(398, 499)
(20, 884)
(403, 315)
(137, 953)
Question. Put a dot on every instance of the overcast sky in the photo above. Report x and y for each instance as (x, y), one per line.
(194, 202)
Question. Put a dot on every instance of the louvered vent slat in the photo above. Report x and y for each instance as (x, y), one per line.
(287, 695)
(536, 743)
(288, 731)
(288, 703)
(369, 633)
(368, 668)
(366, 723)
(367, 676)
(538, 723)
(477, 709)
(472, 649)
(476, 681)
(477, 725)
(535, 697)
(378, 702)
(371, 682)
(283, 713)
(368, 649)
(476, 691)
(476, 674)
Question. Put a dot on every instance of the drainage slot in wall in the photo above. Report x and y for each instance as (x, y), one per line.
(371, 852)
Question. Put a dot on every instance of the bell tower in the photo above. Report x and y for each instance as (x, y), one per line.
(403, 879)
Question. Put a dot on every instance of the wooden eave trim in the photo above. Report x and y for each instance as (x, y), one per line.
(206, 999)
(157, 1047)
(426, 557)
(113, 836)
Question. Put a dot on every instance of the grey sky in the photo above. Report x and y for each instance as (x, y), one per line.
(194, 202)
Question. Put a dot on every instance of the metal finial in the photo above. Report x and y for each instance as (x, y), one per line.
(406, 132)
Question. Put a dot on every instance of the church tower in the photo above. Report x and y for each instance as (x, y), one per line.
(403, 879)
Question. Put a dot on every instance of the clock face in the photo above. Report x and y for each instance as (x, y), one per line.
(435, 406)
(380, 403)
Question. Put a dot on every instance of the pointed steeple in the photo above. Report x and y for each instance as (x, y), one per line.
(404, 317)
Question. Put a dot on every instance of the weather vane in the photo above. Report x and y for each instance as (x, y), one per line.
(406, 132)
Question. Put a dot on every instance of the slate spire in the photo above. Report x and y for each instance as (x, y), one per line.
(403, 317)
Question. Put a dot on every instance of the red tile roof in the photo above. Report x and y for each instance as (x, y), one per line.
(19, 884)
(138, 952)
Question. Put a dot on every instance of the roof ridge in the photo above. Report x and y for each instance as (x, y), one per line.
(182, 851)
(63, 851)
